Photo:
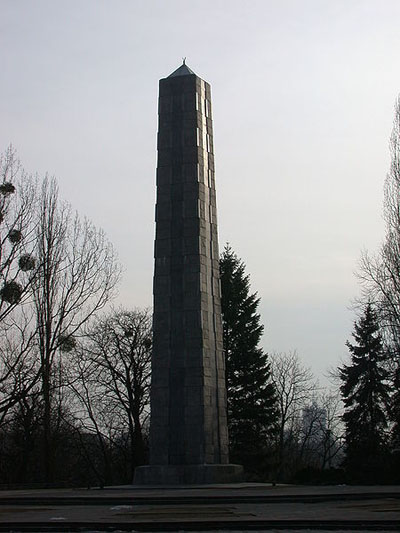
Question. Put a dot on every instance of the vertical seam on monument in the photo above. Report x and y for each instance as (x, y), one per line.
(215, 345)
(207, 112)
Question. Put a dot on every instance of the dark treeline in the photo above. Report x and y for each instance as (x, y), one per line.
(282, 426)
(370, 382)
(349, 434)
(75, 378)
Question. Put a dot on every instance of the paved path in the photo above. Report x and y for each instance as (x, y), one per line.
(256, 507)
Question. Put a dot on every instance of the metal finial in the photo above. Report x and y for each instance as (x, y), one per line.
(184, 60)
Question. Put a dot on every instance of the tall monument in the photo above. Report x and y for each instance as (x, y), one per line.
(188, 425)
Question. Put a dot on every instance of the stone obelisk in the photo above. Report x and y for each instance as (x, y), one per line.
(188, 424)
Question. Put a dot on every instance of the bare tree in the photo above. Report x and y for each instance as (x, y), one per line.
(76, 276)
(311, 434)
(19, 368)
(18, 267)
(56, 272)
(380, 273)
(321, 435)
(17, 232)
(94, 414)
(118, 354)
(332, 449)
(295, 387)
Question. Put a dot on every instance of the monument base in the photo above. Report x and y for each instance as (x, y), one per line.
(187, 474)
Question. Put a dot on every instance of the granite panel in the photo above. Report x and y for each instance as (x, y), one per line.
(161, 301)
(163, 211)
(162, 247)
(190, 245)
(191, 227)
(190, 172)
(165, 138)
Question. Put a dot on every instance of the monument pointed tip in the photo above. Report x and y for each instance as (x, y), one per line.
(183, 70)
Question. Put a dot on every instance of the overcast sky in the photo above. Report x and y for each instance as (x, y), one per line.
(303, 95)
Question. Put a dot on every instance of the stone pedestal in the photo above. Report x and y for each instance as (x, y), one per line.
(187, 474)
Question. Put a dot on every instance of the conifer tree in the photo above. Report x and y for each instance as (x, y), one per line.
(365, 396)
(252, 412)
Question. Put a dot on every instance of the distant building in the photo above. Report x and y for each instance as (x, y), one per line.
(314, 422)
(321, 448)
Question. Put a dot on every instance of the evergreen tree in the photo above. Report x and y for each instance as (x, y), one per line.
(252, 412)
(365, 396)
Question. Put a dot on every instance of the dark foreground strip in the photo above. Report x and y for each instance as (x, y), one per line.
(189, 500)
(259, 525)
(75, 527)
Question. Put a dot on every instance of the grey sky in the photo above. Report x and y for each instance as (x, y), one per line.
(303, 95)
